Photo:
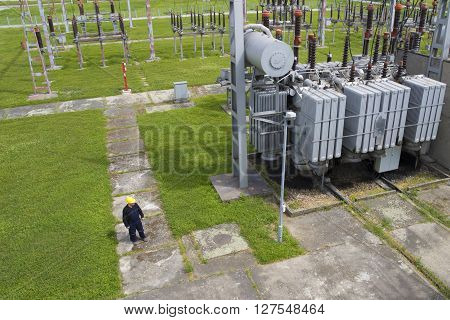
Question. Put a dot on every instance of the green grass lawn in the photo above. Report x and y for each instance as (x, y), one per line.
(56, 229)
(188, 146)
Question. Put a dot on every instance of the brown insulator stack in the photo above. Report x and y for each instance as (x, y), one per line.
(81, 7)
(384, 72)
(312, 51)
(37, 33)
(423, 17)
(97, 8)
(399, 70)
(111, 4)
(279, 34)
(74, 27)
(395, 29)
(346, 49)
(265, 18)
(352, 73)
(368, 33)
(297, 34)
(369, 72)
(121, 25)
(384, 50)
(50, 24)
(405, 55)
(376, 49)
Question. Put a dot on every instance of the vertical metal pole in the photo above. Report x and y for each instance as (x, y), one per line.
(51, 57)
(64, 14)
(129, 14)
(283, 175)
(238, 98)
(151, 39)
(322, 15)
(392, 13)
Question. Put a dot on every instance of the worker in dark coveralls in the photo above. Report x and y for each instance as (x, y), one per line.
(131, 216)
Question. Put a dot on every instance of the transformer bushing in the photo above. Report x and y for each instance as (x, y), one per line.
(297, 34)
(395, 29)
(368, 32)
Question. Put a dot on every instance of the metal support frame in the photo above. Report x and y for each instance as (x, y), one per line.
(27, 20)
(129, 14)
(322, 15)
(441, 41)
(238, 97)
(64, 15)
(51, 57)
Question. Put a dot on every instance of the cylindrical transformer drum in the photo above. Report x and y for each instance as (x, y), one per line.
(270, 56)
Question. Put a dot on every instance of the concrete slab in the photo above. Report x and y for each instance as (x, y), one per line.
(161, 96)
(119, 112)
(128, 163)
(116, 123)
(152, 269)
(399, 212)
(220, 240)
(231, 286)
(29, 111)
(118, 148)
(123, 134)
(438, 197)
(168, 107)
(84, 104)
(329, 228)
(128, 99)
(208, 89)
(228, 189)
(157, 232)
(148, 201)
(204, 268)
(431, 243)
(130, 182)
(349, 271)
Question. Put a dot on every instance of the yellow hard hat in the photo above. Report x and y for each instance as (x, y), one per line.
(130, 200)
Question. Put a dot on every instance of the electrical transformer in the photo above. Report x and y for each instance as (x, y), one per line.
(367, 110)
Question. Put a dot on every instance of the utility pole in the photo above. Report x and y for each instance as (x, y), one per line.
(238, 99)
(151, 40)
(129, 13)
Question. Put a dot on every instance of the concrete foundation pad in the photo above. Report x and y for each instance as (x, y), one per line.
(431, 243)
(156, 229)
(151, 270)
(148, 201)
(438, 197)
(116, 123)
(397, 211)
(329, 228)
(220, 240)
(232, 262)
(118, 148)
(231, 286)
(128, 163)
(228, 189)
(349, 271)
(129, 133)
(130, 182)
(168, 107)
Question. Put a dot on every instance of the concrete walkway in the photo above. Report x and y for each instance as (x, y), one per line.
(149, 98)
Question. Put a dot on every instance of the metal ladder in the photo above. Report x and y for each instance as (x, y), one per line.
(36, 58)
(238, 97)
(441, 41)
